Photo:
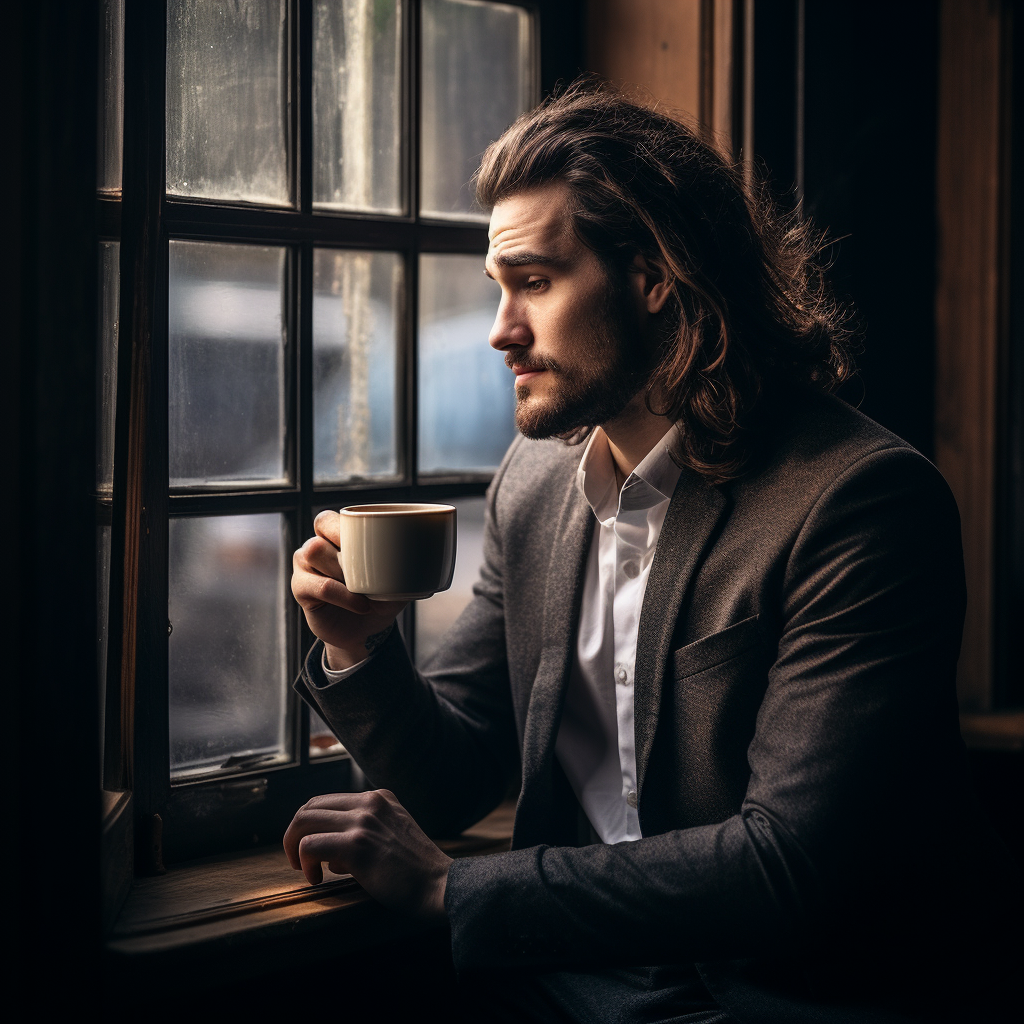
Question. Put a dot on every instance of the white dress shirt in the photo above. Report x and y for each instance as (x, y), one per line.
(595, 744)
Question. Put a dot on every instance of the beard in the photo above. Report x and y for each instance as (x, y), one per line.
(610, 366)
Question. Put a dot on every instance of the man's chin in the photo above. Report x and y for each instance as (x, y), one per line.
(541, 424)
(533, 428)
(540, 420)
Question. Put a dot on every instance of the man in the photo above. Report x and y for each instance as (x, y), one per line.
(717, 641)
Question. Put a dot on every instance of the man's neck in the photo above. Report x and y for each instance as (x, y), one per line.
(632, 435)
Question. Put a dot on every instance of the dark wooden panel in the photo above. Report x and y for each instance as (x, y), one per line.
(1009, 582)
(51, 749)
(869, 179)
(968, 320)
(777, 113)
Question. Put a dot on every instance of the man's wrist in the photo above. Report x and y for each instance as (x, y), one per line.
(337, 675)
(339, 659)
(375, 640)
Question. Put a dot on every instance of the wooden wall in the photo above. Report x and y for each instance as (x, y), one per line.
(654, 45)
(677, 53)
(970, 304)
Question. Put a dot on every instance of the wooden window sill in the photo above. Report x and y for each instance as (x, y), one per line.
(239, 912)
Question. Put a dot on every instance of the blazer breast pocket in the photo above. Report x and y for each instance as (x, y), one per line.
(741, 638)
(708, 717)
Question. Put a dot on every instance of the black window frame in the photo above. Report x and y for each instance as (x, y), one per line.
(209, 816)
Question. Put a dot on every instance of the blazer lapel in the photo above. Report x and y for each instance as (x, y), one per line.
(538, 811)
(693, 514)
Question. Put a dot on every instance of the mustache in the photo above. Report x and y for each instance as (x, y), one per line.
(518, 357)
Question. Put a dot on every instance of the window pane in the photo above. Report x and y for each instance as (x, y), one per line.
(106, 365)
(355, 324)
(477, 78)
(111, 112)
(357, 111)
(322, 742)
(227, 100)
(227, 342)
(228, 645)
(466, 397)
(437, 613)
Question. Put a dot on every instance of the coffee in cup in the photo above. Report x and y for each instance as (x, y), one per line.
(397, 552)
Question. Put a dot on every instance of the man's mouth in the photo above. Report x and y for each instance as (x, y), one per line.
(524, 369)
(526, 373)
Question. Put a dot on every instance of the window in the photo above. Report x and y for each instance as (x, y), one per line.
(293, 318)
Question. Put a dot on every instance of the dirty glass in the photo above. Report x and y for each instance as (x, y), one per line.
(227, 350)
(355, 340)
(227, 611)
(477, 77)
(109, 145)
(437, 613)
(357, 105)
(227, 101)
(466, 397)
(106, 397)
(106, 365)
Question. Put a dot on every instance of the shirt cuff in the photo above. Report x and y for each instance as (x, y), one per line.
(336, 675)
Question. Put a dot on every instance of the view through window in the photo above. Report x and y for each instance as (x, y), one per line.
(318, 339)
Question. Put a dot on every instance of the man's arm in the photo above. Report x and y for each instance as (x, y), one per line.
(445, 744)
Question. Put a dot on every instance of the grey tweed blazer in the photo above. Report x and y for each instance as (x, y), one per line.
(809, 837)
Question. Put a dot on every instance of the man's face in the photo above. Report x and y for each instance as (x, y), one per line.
(571, 334)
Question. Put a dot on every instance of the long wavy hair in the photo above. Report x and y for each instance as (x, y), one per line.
(749, 310)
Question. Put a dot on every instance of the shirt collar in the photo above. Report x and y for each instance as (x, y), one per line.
(652, 482)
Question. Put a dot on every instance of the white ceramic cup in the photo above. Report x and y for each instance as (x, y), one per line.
(397, 552)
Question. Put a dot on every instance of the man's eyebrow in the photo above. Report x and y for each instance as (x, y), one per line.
(525, 258)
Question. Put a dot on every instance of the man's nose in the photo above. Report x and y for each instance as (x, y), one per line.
(510, 329)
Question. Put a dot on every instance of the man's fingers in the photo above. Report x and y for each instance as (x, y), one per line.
(308, 851)
(373, 800)
(317, 580)
(341, 851)
(328, 526)
(309, 822)
(334, 814)
(312, 591)
(313, 851)
(320, 556)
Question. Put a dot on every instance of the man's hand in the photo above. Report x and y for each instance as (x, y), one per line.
(341, 619)
(372, 837)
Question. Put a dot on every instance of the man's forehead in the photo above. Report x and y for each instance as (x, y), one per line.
(535, 220)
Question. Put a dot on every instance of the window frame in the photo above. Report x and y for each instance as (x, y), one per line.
(180, 821)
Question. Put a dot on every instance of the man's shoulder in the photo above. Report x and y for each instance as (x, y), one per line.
(819, 437)
(820, 420)
(813, 440)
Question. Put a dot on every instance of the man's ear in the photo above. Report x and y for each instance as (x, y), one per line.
(654, 283)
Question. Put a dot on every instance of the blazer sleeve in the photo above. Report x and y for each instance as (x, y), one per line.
(855, 760)
(444, 740)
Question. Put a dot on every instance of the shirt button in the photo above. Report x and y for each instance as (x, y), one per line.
(622, 676)
(631, 569)
(631, 798)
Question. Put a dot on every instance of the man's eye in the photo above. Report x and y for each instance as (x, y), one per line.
(536, 285)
